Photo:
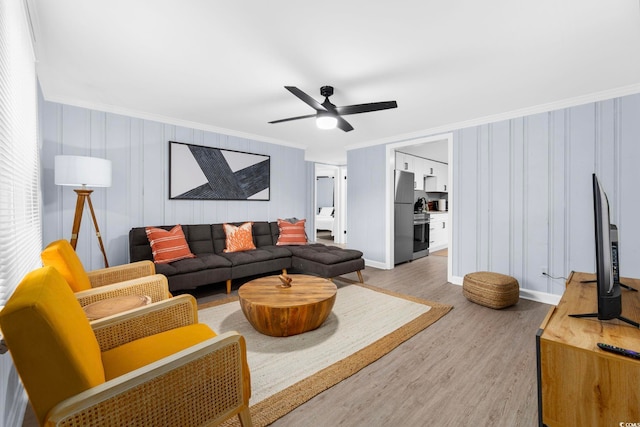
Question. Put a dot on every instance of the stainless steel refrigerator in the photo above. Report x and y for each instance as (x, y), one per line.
(403, 213)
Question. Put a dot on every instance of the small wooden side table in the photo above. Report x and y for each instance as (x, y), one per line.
(115, 305)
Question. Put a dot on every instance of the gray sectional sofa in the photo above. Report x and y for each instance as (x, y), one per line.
(213, 265)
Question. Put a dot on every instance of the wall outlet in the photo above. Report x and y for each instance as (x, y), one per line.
(543, 271)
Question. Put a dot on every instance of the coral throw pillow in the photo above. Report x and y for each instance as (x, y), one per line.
(292, 234)
(168, 246)
(239, 238)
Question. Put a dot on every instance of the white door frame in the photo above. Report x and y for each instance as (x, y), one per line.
(339, 199)
(389, 231)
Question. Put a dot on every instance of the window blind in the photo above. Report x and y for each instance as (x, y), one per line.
(20, 213)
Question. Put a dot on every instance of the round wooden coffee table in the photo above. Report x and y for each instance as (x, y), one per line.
(279, 311)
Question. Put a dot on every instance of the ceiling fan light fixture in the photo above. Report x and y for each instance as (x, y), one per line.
(328, 116)
(326, 121)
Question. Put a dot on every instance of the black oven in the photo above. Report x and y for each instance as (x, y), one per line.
(420, 235)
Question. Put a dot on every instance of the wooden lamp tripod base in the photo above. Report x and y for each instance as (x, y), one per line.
(85, 194)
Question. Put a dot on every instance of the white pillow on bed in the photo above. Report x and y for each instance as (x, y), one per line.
(326, 211)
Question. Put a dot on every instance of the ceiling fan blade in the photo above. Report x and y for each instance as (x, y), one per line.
(365, 108)
(293, 118)
(343, 124)
(305, 98)
(327, 107)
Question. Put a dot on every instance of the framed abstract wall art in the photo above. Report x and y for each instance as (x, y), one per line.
(206, 173)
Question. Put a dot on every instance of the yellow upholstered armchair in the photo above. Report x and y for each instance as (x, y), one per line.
(155, 365)
(137, 278)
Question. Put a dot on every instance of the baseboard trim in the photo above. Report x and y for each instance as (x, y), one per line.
(376, 264)
(537, 296)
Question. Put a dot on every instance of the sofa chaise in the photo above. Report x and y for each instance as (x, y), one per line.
(213, 265)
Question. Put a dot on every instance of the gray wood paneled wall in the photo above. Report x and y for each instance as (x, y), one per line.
(139, 151)
(523, 198)
(366, 216)
(522, 193)
(522, 187)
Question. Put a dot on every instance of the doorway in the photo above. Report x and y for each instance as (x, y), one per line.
(437, 152)
(330, 204)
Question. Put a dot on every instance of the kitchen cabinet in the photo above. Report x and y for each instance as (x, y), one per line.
(419, 171)
(438, 231)
(404, 162)
(436, 176)
(429, 167)
(442, 172)
(407, 162)
(429, 175)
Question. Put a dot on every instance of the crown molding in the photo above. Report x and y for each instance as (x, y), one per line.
(541, 108)
(143, 115)
(523, 112)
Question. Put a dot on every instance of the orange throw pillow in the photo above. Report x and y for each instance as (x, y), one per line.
(168, 246)
(239, 238)
(292, 234)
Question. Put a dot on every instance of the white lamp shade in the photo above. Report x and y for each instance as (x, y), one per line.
(326, 121)
(82, 171)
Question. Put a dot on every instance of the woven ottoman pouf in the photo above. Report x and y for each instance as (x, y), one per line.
(492, 290)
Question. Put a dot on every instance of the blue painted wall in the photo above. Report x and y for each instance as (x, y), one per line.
(522, 193)
(138, 196)
(366, 216)
(523, 197)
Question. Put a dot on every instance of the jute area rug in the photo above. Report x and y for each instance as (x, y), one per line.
(366, 323)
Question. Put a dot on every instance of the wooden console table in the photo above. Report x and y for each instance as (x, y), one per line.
(578, 383)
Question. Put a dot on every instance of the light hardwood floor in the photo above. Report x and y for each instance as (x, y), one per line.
(474, 367)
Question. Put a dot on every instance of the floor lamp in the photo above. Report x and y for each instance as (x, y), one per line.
(81, 171)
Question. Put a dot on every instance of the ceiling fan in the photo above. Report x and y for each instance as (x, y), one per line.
(328, 116)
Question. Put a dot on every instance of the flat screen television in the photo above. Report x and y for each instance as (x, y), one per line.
(607, 274)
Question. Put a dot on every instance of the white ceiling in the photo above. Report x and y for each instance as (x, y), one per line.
(222, 65)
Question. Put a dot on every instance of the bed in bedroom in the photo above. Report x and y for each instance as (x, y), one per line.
(324, 219)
